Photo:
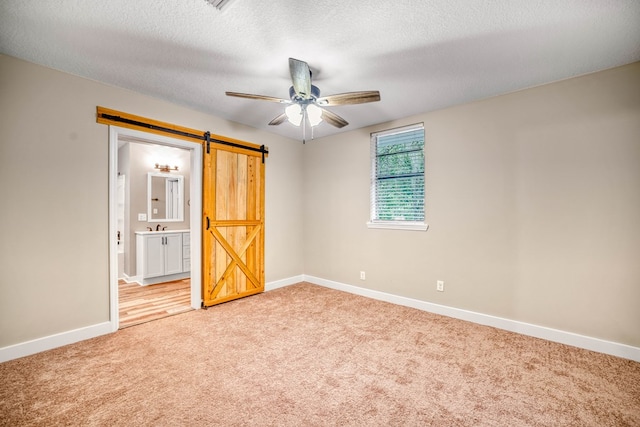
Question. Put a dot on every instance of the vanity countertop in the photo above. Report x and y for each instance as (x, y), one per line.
(162, 231)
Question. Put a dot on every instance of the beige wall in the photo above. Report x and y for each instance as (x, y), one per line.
(533, 201)
(533, 205)
(54, 217)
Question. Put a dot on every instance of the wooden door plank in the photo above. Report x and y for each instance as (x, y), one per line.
(233, 263)
(221, 171)
(260, 246)
(241, 209)
(231, 212)
(251, 208)
(237, 150)
(235, 256)
(209, 187)
(235, 223)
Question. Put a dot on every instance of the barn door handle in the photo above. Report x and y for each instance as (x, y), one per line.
(208, 223)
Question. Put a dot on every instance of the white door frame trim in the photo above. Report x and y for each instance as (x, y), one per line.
(115, 133)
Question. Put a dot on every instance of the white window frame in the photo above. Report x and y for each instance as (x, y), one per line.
(385, 224)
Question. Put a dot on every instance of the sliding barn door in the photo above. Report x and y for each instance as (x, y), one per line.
(233, 208)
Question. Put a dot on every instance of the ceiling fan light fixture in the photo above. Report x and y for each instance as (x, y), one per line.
(314, 113)
(305, 103)
(294, 114)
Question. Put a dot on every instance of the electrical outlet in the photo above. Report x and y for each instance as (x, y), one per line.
(362, 275)
(440, 286)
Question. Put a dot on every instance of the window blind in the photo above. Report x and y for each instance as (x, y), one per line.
(397, 177)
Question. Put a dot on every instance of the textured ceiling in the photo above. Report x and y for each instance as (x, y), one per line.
(420, 55)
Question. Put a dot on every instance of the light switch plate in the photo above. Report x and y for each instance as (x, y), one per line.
(142, 217)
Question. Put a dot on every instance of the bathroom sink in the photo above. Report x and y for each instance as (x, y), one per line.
(162, 231)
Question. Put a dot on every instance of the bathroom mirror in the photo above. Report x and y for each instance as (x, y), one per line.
(165, 197)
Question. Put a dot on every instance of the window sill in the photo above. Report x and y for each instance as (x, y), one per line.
(391, 225)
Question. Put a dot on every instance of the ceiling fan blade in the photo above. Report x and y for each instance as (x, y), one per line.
(278, 120)
(350, 98)
(333, 119)
(300, 77)
(259, 97)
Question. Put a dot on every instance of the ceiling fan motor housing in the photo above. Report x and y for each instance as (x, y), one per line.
(315, 94)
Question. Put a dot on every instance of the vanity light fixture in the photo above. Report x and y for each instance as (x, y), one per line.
(166, 168)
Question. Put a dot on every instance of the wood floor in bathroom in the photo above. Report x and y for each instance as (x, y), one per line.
(140, 304)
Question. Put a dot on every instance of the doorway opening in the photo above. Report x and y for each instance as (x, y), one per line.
(141, 304)
(155, 243)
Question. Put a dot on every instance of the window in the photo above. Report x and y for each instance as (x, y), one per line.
(397, 179)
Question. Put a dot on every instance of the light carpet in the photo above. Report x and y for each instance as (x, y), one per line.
(305, 355)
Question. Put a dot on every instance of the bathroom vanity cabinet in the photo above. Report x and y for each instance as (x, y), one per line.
(162, 256)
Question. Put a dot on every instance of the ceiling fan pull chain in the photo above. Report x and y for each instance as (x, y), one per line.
(304, 125)
(312, 132)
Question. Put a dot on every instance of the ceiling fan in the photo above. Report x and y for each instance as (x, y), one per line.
(306, 104)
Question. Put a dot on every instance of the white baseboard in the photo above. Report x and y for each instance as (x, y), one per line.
(549, 334)
(569, 338)
(131, 279)
(53, 341)
(283, 282)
